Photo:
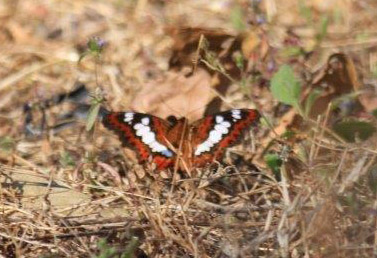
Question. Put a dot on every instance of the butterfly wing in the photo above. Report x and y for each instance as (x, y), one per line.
(212, 134)
(143, 133)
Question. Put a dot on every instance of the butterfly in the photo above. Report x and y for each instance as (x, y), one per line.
(164, 142)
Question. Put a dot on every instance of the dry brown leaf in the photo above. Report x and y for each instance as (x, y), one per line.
(111, 170)
(254, 45)
(338, 77)
(368, 98)
(175, 94)
(186, 41)
(221, 44)
(250, 43)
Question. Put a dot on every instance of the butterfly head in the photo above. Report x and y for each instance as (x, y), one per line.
(174, 121)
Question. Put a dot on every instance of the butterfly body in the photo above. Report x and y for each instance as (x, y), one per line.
(166, 142)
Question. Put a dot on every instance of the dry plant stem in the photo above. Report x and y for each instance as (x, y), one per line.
(340, 166)
(176, 165)
(304, 236)
(328, 131)
(270, 215)
(14, 78)
(351, 43)
(282, 232)
(34, 168)
(37, 243)
(359, 170)
(284, 188)
(112, 190)
(83, 244)
(375, 229)
(197, 53)
(314, 147)
(222, 72)
(323, 126)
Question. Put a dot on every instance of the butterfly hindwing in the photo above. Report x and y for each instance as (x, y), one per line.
(214, 133)
(143, 133)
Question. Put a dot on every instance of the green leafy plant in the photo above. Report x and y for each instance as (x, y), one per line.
(95, 47)
(322, 31)
(274, 162)
(313, 95)
(286, 88)
(66, 159)
(372, 179)
(352, 130)
(107, 251)
(6, 144)
(96, 102)
(237, 18)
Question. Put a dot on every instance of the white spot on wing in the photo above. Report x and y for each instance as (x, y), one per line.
(145, 121)
(236, 114)
(221, 128)
(202, 148)
(149, 138)
(138, 126)
(167, 153)
(226, 124)
(128, 117)
(143, 130)
(215, 136)
(219, 119)
(217, 133)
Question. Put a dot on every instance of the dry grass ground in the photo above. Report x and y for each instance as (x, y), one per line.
(66, 192)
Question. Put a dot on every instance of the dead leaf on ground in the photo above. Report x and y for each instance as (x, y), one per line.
(337, 78)
(175, 94)
(254, 46)
(368, 97)
(221, 44)
(186, 41)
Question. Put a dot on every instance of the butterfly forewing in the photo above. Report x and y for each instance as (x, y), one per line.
(212, 134)
(144, 133)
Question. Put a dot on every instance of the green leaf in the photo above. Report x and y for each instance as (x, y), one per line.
(372, 179)
(324, 23)
(7, 143)
(292, 51)
(237, 18)
(310, 100)
(82, 56)
(96, 102)
(305, 10)
(105, 250)
(66, 159)
(352, 130)
(285, 87)
(92, 115)
(288, 135)
(95, 45)
(238, 59)
(274, 162)
(130, 249)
